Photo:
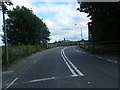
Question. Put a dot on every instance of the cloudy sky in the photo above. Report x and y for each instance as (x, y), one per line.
(61, 17)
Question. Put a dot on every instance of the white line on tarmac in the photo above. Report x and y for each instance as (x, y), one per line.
(52, 78)
(8, 72)
(111, 61)
(72, 71)
(11, 83)
(99, 57)
(73, 66)
(91, 55)
(44, 79)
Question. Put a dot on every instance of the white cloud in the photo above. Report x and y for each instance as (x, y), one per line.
(63, 23)
(1, 22)
(62, 20)
(1, 33)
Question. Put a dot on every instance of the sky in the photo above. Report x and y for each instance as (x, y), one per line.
(60, 16)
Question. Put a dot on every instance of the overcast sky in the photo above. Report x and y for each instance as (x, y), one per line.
(59, 15)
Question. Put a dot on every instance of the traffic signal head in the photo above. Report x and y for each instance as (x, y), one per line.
(90, 24)
(90, 27)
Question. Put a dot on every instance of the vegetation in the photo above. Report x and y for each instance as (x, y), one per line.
(104, 28)
(64, 43)
(102, 48)
(105, 20)
(24, 27)
(18, 52)
(26, 34)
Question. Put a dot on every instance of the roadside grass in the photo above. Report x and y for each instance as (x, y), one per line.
(103, 49)
(18, 52)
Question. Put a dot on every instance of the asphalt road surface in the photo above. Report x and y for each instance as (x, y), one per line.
(66, 67)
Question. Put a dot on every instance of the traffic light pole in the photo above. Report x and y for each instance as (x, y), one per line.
(81, 33)
(5, 33)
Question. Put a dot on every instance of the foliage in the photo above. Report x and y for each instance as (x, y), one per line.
(24, 27)
(18, 52)
(105, 19)
(110, 50)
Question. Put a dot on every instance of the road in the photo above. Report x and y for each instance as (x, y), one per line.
(66, 67)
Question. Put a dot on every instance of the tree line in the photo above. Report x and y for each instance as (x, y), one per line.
(105, 20)
(24, 27)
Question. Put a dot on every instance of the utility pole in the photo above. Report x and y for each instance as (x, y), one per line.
(4, 8)
(81, 31)
(5, 34)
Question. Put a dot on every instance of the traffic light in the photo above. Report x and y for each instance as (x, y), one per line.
(90, 27)
(90, 30)
(90, 24)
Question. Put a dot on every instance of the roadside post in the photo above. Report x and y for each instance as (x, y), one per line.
(3, 7)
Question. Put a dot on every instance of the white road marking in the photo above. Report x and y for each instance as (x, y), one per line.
(11, 83)
(78, 50)
(7, 72)
(79, 73)
(52, 78)
(73, 66)
(91, 55)
(89, 82)
(111, 61)
(45, 79)
(99, 57)
(72, 71)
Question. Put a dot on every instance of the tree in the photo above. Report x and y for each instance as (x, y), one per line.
(104, 18)
(24, 27)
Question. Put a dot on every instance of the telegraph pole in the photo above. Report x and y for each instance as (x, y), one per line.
(81, 32)
(4, 8)
(5, 34)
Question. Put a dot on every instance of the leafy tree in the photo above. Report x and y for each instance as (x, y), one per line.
(24, 27)
(105, 19)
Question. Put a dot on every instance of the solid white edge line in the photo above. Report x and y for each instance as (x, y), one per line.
(99, 57)
(72, 71)
(109, 60)
(81, 74)
(11, 83)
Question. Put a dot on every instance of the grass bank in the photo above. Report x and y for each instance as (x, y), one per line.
(103, 49)
(18, 52)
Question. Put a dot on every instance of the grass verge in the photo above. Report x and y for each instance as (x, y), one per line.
(110, 50)
(18, 52)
